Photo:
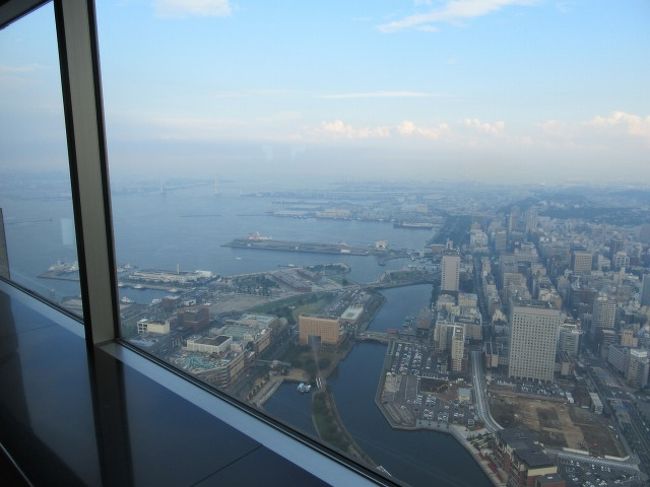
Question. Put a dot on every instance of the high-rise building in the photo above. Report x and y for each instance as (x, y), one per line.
(450, 272)
(448, 336)
(514, 219)
(606, 337)
(533, 342)
(645, 290)
(620, 260)
(604, 313)
(457, 348)
(581, 261)
(644, 233)
(500, 241)
(326, 329)
(638, 368)
(569, 339)
(628, 339)
(531, 220)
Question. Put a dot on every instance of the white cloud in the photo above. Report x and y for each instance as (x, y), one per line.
(409, 129)
(600, 130)
(378, 94)
(198, 8)
(338, 128)
(495, 128)
(630, 124)
(451, 11)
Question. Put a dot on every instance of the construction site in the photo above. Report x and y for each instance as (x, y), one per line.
(559, 425)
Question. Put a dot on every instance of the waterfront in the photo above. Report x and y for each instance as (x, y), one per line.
(153, 231)
(186, 228)
(416, 457)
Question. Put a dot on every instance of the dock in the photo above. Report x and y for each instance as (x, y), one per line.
(294, 246)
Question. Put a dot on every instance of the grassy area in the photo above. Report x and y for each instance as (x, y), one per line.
(286, 308)
(302, 357)
(326, 424)
(311, 307)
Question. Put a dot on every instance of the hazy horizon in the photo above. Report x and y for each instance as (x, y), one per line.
(518, 91)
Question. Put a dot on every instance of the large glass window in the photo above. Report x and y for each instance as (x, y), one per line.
(35, 196)
(416, 231)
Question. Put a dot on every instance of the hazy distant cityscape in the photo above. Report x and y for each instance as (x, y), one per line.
(511, 321)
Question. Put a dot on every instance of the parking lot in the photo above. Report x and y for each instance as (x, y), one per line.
(415, 394)
(587, 474)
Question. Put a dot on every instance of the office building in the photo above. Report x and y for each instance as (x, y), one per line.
(638, 368)
(569, 339)
(620, 260)
(581, 261)
(195, 317)
(319, 329)
(645, 290)
(604, 313)
(533, 342)
(155, 327)
(618, 357)
(450, 272)
(500, 241)
(628, 339)
(605, 338)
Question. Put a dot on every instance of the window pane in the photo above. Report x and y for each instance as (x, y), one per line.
(369, 218)
(35, 195)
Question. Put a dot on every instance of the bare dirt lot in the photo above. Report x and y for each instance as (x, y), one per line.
(558, 424)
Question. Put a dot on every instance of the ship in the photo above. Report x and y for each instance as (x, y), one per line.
(257, 237)
(414, 225)
(259, 242)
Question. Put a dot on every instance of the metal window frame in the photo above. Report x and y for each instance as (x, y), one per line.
(12, 10)
(76, 27)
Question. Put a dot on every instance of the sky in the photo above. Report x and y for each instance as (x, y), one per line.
(499, 90)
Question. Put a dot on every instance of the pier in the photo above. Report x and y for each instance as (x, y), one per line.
(293, 246)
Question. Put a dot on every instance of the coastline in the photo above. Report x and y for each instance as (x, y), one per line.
(453, 430)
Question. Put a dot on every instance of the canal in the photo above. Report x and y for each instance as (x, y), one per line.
(415, 457)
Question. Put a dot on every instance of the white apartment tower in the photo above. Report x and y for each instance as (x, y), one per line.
(533, 342)
(450, 272)
(457, 348)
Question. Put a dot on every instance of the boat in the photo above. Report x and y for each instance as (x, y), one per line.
(138, 286)
(126, 300)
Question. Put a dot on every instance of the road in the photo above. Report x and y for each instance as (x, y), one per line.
(480, 386)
